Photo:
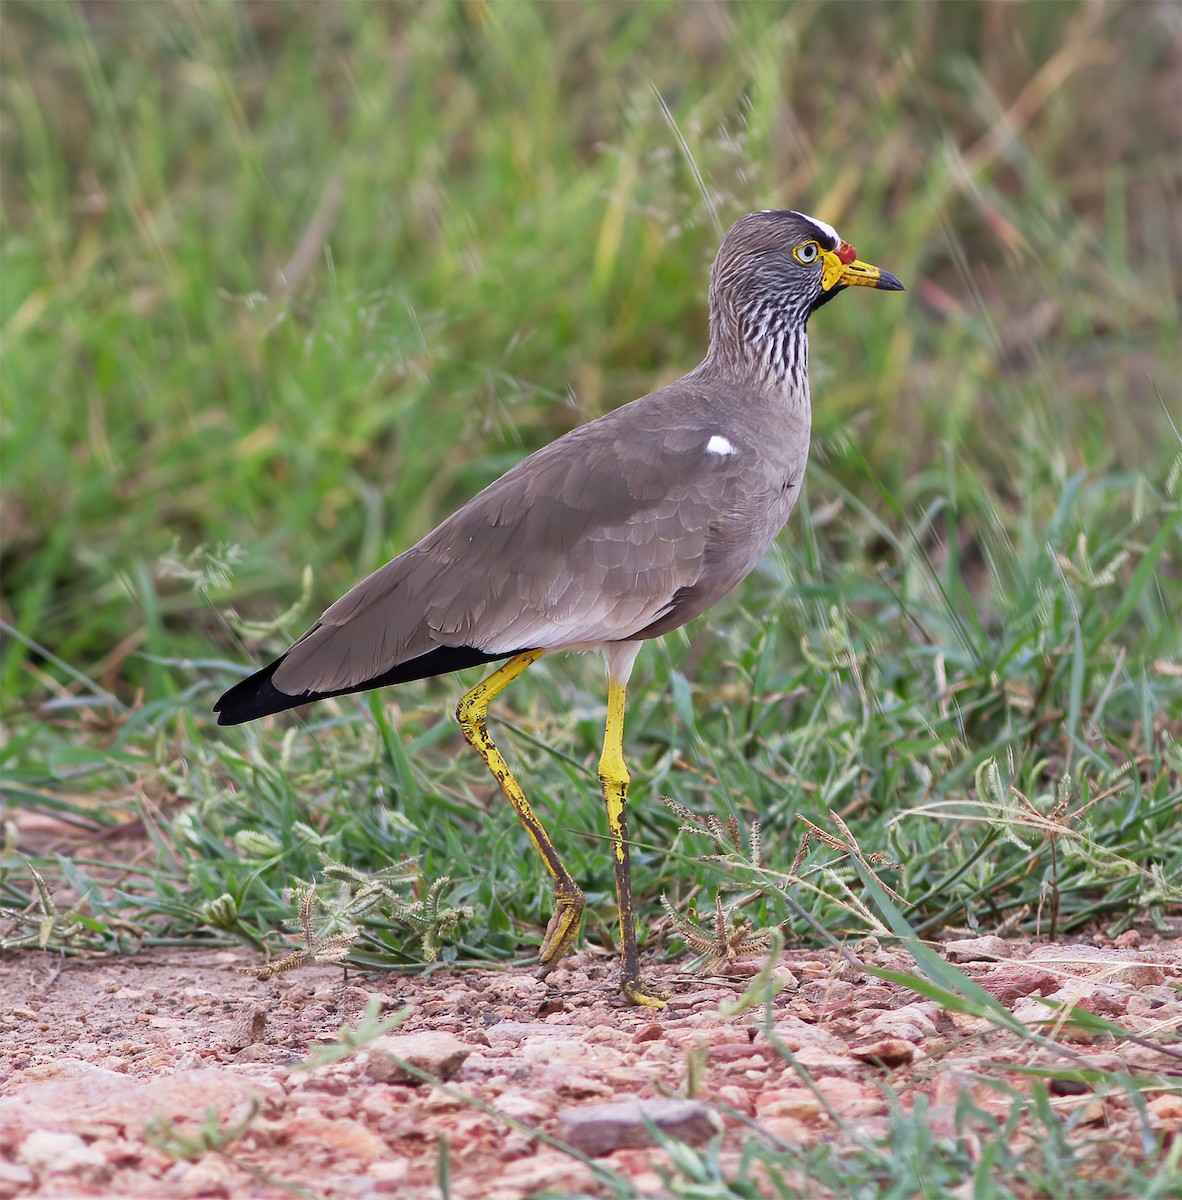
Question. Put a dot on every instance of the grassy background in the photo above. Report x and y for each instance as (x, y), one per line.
(282, 284)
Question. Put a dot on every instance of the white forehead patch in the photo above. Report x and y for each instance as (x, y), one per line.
(824, 228)
(719, 445)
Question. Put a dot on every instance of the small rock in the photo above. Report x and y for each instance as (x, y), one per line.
(258, 1052)
(522, 987)
(556, 1173)
(211, 1176)
(442, 1100)
(828, 1062)
(1104, 1001)
(572, 1083)
(976, 949)
(1140, 975)
(799, 1103)
(1089, 1112)
(699, 998)
(516, 1031)
(1008, 983)
(790, 1130)
(560, 1050)
(851, 1097)
(331, 1082)
(730, 1052)
(250, 1026)
(91, 1099)
(47, 1150)
(601, 1128)
(783, 979)
(389, 1175)
(912, 1022)
(1110, 965)
(1166, 1112)
(516, 1145)
(798, 1034)
(831, 993)
(889, 1052)
(523, 1107)
(1068, 1087)
(438, 1054)
(738, 1098)
(14, 1178)
(343, 1135)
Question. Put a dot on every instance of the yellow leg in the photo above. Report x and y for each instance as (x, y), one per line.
(472, 714)
(614, 780)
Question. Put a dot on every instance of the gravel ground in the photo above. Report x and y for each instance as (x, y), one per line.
(108, 1068)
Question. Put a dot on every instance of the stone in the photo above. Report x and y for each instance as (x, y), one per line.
(88, 1099)
(560, 1050)
(250, 1026)
(342, 1135)
(210, 1176)
(799, 1103)
(437, 1054)
(1009, 983)
(912, 1022)
(1102, 964)
(389, 1175)
(15, 1179)
(516, 1031)
(976, 949)
(887, 1052)
(598, 1129)
(525, 1107)
(798, 1034)
(1165, 1113)
(47, 1150)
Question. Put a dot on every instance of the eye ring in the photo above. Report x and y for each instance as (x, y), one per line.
(806, 253)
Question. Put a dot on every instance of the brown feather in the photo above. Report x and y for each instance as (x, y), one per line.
(626, 527)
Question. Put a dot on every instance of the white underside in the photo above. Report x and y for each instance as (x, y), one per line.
(618, 657)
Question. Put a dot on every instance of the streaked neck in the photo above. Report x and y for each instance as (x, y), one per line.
(765, 345)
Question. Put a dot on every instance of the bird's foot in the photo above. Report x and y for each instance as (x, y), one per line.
(562, 929)
(637, 993)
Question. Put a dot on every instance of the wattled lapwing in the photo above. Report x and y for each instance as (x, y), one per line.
(621, 530)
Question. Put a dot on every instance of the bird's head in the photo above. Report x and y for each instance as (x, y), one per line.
(773, 270)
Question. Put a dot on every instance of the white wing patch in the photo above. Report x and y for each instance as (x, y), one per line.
(719, 445)
(824, 228)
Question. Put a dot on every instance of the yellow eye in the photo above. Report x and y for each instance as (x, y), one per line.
(806, 252)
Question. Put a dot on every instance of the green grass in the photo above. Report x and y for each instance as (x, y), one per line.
(985, 567)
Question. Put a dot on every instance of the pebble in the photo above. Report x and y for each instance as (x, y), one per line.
(64, 1153)
(976, 949)
(438, 1054)
(599, 1129)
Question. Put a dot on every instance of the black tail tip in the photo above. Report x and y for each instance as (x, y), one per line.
(256, 696)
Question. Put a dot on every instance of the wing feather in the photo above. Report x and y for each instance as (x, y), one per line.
(597, 537)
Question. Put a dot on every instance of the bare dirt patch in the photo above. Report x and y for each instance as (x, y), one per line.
(108, 1068)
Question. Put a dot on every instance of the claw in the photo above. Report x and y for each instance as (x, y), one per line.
(563, 927)
(638, 994)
